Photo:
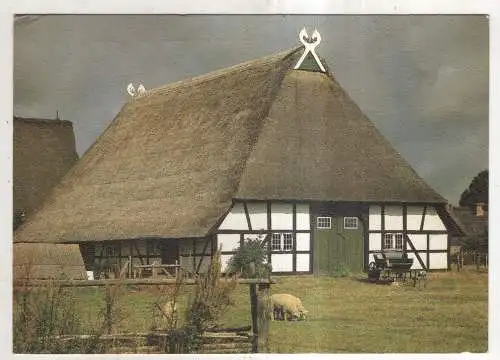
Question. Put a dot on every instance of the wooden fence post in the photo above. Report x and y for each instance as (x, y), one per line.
(263, 318)
(253, 309)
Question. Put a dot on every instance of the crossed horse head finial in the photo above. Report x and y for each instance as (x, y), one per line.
(310, 43)
(132, 91)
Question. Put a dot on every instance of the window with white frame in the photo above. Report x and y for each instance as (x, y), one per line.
(276, 242)
(324, 222)
(350, 223)
(287, 242)
(282, 242)
(398, 238)
(393, 241)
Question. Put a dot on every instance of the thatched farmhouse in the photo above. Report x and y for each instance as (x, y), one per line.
(273, 146)
(44, 150)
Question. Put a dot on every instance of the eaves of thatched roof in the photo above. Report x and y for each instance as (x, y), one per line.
(173, 160)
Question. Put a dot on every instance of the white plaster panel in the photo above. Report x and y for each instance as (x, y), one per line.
(414, 217)
(375, 218)
(281, 216)
(235, 219)
(432, 220)
(224, 260)
(419, 241)
(282, 262)
(258, 215)
(438, 242)
(416, 263)
(303, 219)
(229, 242)
(303, 241)
(393, 217)
(302, 263)
(374, 240)
(438, 260)
(205, 263)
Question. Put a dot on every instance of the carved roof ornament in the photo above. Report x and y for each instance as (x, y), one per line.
(132, 91)
(310, 43)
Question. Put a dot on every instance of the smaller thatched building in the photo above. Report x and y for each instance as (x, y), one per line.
(44, 151)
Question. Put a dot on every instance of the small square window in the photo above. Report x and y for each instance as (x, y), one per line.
(276, 242)
(323, 222)
(287, 242)
(351, 223)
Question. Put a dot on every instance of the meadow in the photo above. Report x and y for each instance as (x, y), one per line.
(346, 315)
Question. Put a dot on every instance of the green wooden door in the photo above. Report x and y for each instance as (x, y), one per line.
(336, 247)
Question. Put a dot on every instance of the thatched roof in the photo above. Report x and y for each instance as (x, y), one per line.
(47, 261)
(173, 160)
(44, 151)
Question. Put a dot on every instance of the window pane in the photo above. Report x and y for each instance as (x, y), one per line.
(399, 241)
(324, 222)
(287, 242)
(350, 223)
(276, 242)
(388, 241)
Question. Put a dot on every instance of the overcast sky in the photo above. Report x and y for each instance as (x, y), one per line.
(423, 80)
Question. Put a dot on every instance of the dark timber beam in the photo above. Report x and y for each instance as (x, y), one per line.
(247, 215)
(423, 218)
(417, 255)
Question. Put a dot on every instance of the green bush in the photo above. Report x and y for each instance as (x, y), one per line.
(340, 269)
(252, 251)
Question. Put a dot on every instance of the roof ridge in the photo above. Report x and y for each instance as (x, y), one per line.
(199, 79)
(43, 121)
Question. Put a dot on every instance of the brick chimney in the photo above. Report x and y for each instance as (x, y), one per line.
(480, 209)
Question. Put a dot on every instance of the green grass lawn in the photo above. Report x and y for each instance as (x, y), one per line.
(348, 315)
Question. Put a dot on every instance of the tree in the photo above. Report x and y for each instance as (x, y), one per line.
(477, 191)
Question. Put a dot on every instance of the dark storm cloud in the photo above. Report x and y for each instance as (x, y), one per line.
(423, 80)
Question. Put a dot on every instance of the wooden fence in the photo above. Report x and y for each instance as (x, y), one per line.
(247, 339)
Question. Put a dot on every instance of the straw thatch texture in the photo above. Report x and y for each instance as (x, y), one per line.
(173, 160)
(47, 261)
(44, 151)
(316, 144)
(170, 162)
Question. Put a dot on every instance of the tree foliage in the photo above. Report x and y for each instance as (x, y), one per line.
(252, 251)
(477, 191)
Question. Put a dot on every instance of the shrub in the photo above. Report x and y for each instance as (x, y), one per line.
(210, 299)
(40, 315)
(340, 269)
(251, 251)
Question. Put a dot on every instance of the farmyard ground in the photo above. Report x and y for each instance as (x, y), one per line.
(348, 315)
